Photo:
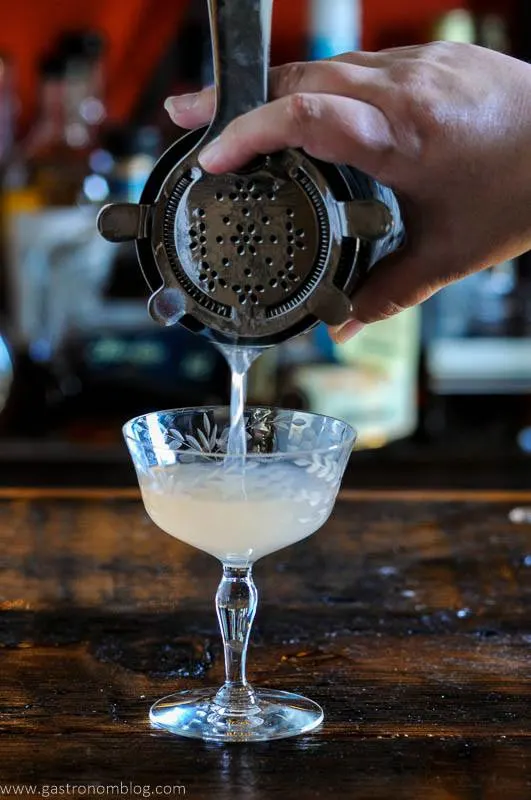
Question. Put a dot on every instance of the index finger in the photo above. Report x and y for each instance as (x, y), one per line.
(351, 75)
(330, 128)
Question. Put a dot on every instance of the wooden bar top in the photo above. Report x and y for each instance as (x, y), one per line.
(407, 617)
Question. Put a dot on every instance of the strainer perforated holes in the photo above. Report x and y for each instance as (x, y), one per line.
(244, 239)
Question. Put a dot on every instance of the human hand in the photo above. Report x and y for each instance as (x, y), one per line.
(447, 126)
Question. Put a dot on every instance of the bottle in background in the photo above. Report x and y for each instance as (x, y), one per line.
(486, 304)
(54, 167)
(493, 32)
(521, 31)
(55, 256)
(477, 363)
(120, 359)
(335, 27)
(457, 25)
(7, 135)
(83, 52)
(57, 150)
(7, 110)
(124, 162)
(132, 153)
(370, 382)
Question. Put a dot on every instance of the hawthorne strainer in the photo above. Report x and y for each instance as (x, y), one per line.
(259, 256)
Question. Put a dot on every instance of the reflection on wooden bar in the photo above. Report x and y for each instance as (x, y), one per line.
(403, 618)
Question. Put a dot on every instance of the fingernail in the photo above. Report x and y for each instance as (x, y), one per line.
(181, 104)
(210, 154)
(347, 331)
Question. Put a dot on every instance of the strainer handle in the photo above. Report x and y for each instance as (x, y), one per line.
(241, 37)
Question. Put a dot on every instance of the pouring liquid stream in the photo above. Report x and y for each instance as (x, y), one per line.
(239, 360)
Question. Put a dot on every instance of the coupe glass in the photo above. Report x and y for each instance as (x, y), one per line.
(238, 509)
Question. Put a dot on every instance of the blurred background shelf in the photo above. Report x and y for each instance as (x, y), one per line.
(463, 463)
(140, 32)
(441, 396)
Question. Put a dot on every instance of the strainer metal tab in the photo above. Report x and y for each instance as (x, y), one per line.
(259, 256)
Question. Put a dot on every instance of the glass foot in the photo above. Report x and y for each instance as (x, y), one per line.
(194, 713)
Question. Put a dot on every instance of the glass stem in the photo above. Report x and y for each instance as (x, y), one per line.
(236, 601)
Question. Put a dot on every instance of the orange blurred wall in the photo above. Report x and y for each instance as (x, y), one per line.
(138, 31)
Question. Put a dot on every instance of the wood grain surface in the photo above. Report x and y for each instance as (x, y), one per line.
(408, 617)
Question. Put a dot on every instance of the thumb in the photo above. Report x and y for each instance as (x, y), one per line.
(397, 283)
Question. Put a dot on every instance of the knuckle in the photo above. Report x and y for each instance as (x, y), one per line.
(287, 79)
(303, 110)
(391, 307)
(415, 76)
(403, 71)
(236, 131)
(206, 99)
(421, 103)
(378, 309)
(386, 310)
(441, 50)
